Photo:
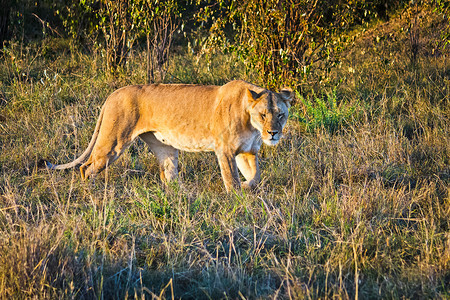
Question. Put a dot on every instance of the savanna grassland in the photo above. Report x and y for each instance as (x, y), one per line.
(354, 202)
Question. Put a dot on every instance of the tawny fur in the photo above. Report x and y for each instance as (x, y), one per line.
(232, 120)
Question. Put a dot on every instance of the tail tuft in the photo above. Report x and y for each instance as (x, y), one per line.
(44, 164)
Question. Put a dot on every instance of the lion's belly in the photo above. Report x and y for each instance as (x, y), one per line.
(184, 143)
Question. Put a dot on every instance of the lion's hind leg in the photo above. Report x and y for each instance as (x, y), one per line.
(94, 166)
(166, 155)
(104, 154)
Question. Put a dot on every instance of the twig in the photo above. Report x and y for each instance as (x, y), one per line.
(46, 24)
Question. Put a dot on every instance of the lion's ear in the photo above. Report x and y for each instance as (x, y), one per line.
(287, 95)
(252, 96)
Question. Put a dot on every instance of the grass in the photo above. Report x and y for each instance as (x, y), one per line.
(324, 113)
(360, 211)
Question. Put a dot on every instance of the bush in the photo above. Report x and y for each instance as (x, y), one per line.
(117, 25)
(281, 40)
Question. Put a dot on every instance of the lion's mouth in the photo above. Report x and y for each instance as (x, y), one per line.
(271, 141)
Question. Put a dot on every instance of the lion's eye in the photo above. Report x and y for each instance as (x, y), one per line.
(263, 116)
(280, 116)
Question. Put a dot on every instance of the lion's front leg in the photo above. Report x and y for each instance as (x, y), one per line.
(228, 169)
(248, 165)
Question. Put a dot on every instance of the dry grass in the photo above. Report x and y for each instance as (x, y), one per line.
(359, 212)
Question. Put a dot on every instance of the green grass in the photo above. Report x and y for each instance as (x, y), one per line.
(324, 113)
(355, 206)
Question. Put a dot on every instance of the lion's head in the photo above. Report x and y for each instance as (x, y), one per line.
(269, 113)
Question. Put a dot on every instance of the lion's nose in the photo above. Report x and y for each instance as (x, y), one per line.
(272, 133)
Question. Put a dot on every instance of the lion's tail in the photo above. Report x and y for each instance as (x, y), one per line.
(86, 152)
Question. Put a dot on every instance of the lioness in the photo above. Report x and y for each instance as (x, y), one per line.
(230, 120)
